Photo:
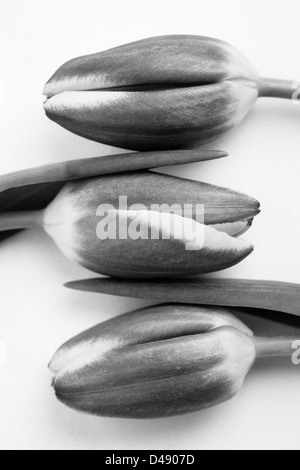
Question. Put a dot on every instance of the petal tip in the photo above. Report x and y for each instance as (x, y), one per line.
(47, 90)
(249, 248)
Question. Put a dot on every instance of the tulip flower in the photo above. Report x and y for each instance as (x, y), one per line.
(161, 93)
(157, 243)
(159, 362)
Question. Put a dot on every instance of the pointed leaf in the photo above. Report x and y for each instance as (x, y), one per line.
(98, 166)
(32, 197)
(266, 295)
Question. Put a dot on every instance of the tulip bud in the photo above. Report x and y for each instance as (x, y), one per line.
(166, 244)
(156, 362)
(155, 239)
(160, 93)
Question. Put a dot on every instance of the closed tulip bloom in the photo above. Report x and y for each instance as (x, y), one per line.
(144, 243)
(161, 93)
(159, 362)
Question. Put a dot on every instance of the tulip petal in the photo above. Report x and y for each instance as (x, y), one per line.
(169, 245)
(160, 379)
(168, 60)
(157, 120)
(224, 209)
(167, 322)
(234, 229)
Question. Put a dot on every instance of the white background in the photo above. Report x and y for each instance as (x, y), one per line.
(38, 314)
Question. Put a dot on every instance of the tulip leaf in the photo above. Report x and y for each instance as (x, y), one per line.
(98, 166)
(265, 295)
(27, 198)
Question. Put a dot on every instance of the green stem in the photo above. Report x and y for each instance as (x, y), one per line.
(20, 220)
(272, 88)
(279, 347)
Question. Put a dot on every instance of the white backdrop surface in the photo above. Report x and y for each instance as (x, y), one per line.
(38, 314)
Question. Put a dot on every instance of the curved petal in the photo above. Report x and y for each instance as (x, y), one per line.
(221, 206)
(168, 60)
(142, 326)
(157, 120)
(145, 244)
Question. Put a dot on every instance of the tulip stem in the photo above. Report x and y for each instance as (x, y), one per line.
(279, 347)
(272, 88)
(20, 220)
